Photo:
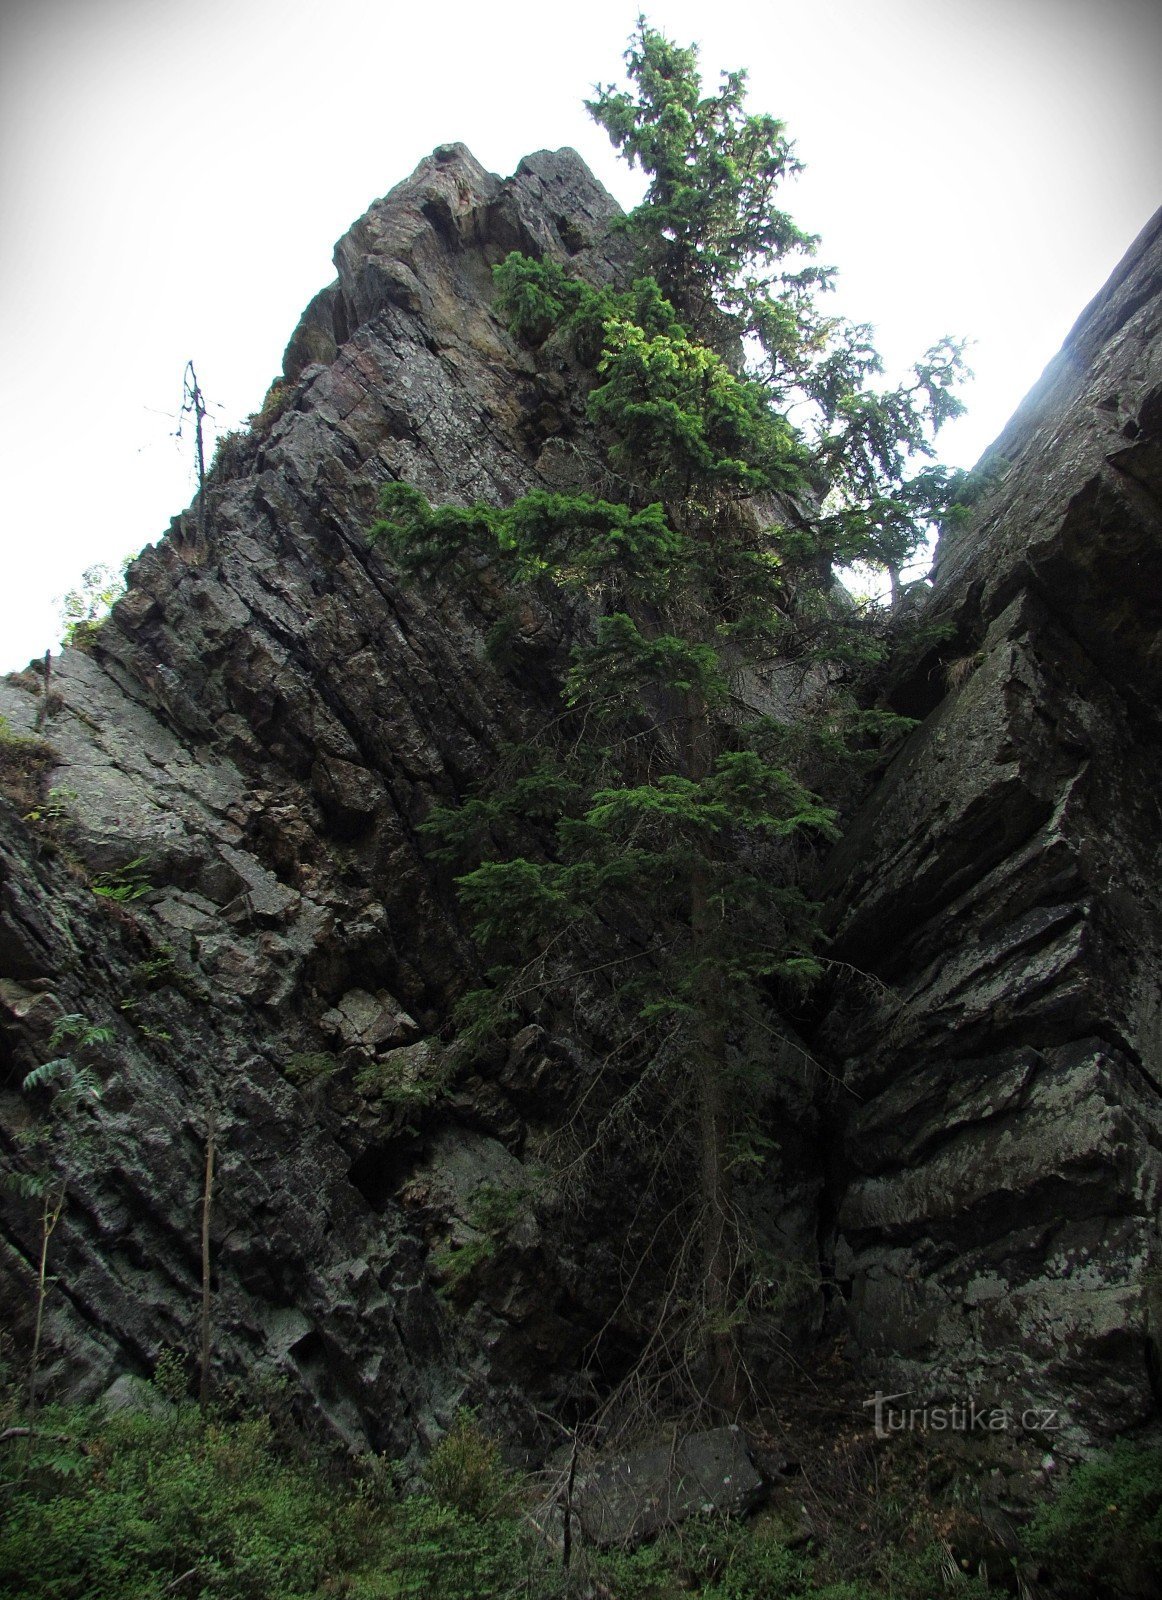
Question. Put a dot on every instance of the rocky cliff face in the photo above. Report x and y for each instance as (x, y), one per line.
(267, 717)
(996, 1203)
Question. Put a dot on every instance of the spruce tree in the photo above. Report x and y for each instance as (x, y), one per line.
(656, 832)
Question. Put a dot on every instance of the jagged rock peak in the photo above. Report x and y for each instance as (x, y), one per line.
(265, 717)
(395, 254)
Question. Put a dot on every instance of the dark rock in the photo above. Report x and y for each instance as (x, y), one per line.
(624, 1501)
(996, 1213)
(269, 717)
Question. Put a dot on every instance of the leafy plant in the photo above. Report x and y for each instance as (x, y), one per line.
(155, 970)
(85, 608)
(406, 1079)
(1101, 1539)
(123, 883)
(74, 1091)
(465, 1471)
(310, 1069)
(55, 810)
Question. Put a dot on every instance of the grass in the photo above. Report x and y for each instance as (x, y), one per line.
(24, 759)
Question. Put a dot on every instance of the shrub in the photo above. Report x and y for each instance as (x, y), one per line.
(439, 1553)
(727, 1560)
(157, 1497)
(229, 453)
(1101, 1539)
(276, 400)
(466, 1474)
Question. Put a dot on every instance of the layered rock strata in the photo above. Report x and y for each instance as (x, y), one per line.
(996, 1203)
(264, 719)
(240, 764)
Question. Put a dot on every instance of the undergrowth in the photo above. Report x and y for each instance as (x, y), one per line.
(167, 1500)
(1101, 1539)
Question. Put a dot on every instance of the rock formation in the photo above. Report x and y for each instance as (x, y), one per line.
(996, 1207)
(266, 718)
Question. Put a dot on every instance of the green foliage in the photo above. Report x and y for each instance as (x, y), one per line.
(681, 418)
(619, 848)
(658, 831)
(84, 609)
(539, 299)
(496, 1210)
(407, 1079)
(77, 1028)
(439, 1553)
(457, 1264)
(229, 452)
(726, 1560)
(72, 1086)
(498, 1207)
(156, 970)
(162, 1504)
(55, 811)
(276, 400)
(123, 883)
(1101, 1539)
(310, 1069)
(707, 222)
(731, 1560)
(165, 1500)
(740, 275)
(170, 1377)
(465, 1472)
(581, 544)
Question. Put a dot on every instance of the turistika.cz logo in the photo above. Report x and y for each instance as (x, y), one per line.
(959, 1416)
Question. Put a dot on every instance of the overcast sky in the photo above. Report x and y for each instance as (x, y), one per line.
(174, 173)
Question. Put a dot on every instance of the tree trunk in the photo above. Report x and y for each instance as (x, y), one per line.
(54, 1204)
(207, 1197)
(713, 1174)
(710, 1066)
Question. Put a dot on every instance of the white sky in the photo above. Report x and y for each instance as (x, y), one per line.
(174, 173)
